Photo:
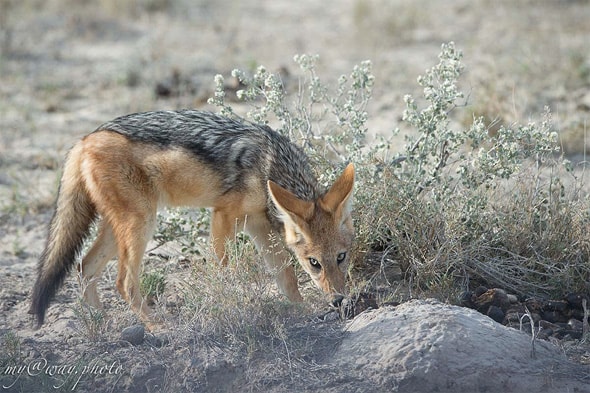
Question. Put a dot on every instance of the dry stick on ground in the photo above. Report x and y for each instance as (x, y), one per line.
(533, 334)
(585, 325)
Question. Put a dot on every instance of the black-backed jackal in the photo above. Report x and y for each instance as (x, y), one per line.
(249, 175)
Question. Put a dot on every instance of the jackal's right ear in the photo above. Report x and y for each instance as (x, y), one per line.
(291, 209)
(338, 199)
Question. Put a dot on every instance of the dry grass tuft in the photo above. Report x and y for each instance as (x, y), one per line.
(238, 311)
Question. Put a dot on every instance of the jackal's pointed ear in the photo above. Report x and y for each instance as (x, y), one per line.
(338, 199)
(291, 209)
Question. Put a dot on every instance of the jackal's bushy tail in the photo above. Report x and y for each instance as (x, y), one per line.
(74, 213)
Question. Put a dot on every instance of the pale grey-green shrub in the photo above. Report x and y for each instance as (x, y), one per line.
(457, 205)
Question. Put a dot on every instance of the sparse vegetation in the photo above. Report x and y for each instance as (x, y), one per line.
(230, 303)
(11, 348)
(186, 227)
(152, 285)
(92, 323)
(488, 209)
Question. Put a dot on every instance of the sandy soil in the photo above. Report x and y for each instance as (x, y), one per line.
(67, 66)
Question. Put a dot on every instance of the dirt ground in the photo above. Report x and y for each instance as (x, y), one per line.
(66, 66)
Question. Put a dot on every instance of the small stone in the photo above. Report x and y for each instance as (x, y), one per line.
(575, 324)
(556, 305)
(553, 316)
(466, 299)
(585, 102)
(575, 299)
(493, 297)
(496, 313)
(513, 299)
(133, 334)
(480, 290)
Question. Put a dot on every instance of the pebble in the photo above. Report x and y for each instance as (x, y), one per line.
(492, 297)
(576, 299)
(574, 324)
(585, 102)
(496, 313)
(133, 334)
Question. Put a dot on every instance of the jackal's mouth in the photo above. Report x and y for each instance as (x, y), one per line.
(348, 307)
(336, 300)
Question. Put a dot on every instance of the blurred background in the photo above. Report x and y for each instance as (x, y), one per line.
(68, 65)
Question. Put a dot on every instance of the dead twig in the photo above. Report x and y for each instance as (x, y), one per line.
(529, 315)
(585, 325)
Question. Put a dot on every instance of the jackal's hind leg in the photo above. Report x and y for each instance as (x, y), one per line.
(132, 238)
(102, 251)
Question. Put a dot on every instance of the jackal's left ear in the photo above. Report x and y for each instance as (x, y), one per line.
(292, 210)
(338, 199)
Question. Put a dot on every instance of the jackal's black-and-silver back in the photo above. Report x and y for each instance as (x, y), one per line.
(233, 148)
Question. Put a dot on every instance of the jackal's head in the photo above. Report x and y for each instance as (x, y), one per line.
(320, 232)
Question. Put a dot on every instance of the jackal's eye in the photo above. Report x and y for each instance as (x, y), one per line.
(341, 257)
(315, 263)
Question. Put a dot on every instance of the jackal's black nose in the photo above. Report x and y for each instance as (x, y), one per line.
(336, 300)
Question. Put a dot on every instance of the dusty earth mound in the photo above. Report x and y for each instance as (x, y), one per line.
(427, 346)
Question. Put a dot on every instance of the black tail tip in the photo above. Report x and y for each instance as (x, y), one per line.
(39, 316)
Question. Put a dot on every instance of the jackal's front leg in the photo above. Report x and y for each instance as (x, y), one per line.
(275, 255)
(132, 235)
(285, 275)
